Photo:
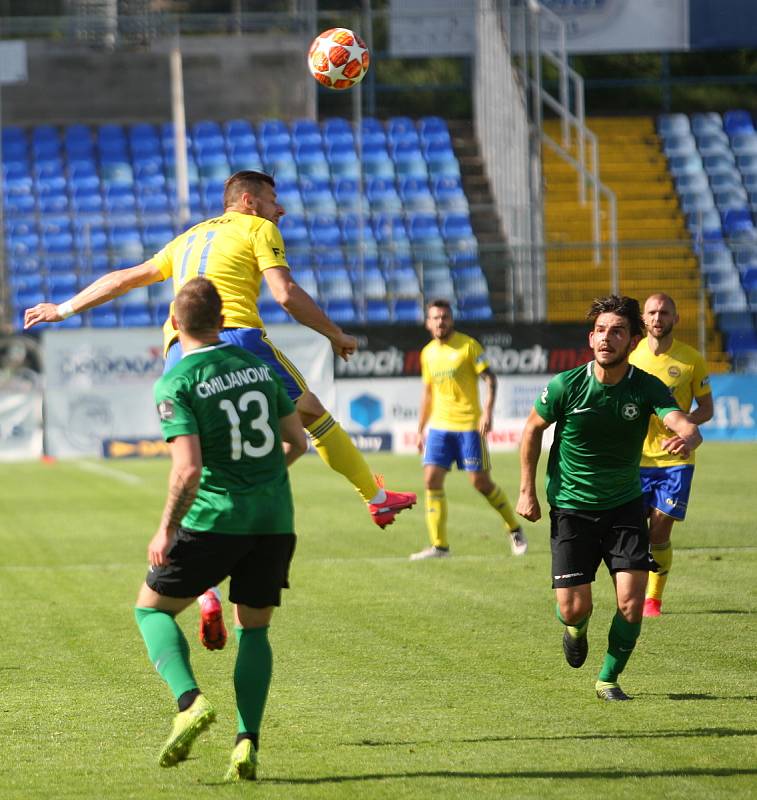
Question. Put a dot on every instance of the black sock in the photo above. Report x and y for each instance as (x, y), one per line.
(186, 700)
(253, 737)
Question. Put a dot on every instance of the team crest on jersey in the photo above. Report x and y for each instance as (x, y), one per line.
(674, 372)
(165, 409)
(630, 411)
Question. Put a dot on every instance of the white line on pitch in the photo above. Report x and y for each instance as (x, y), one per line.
(108, 472)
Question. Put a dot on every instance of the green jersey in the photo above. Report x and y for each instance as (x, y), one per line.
(233, 401)
(594, 459)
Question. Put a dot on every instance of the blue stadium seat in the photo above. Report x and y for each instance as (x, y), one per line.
(239, 130)
(105, 316)
(294, 231)
(245, 157)
(274, 131)
(136, 316)
(289, 196)
(407, 310)
(738, 121)
(343, 160)
(346, 195)
(324, 231)
(402, 282)
(706, 122)
(376, 161)
(357, 234)
(272, 313)
(382, 196)
(449, 194)
(63, 264)
(335, 126)
(65, 282)
(341, 310)
(317, 196)
(278, 160)
(673, 124)
(306, 131)
(679, 145)
(334, 284)
(305, 277)
(416, 195)
(474, 308)
(377, 311)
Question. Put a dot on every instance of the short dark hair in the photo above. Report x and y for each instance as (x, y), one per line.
(439, 303)
(246, 180)
(626, 307)
(198, 306)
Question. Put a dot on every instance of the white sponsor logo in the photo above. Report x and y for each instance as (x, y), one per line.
(581, 410)
(568, 575)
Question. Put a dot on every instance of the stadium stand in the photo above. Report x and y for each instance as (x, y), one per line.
(668, 180)
(81, 200)
(721, 217)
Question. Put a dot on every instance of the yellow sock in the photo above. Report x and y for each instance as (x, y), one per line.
(336, 449)
(436, 517)
(663, 555)
(497, 499)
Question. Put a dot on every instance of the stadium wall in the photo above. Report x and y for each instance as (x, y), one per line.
(250, 76)
(98, 387)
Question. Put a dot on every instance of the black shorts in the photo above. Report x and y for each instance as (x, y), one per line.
(581, 539)
(257, 565)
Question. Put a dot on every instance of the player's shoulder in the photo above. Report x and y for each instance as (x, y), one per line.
(575, 375)
(684, 352)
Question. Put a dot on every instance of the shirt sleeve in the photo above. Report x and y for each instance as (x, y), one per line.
(268, 247)
(163, 259)
(478, 357)
(549, 404)
(700, 378)
(661, 397)
(176, 416)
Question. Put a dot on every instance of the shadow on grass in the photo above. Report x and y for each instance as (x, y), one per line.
(722, 772)
(697, 696)
(706, 611)
(694, 733)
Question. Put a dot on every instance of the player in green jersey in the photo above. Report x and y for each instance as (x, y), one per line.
(601, 411)
(229, 512)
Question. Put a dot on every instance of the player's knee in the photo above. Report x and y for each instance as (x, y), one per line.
(575, 609)
(309, 408)
(631, 608)
(483, 483)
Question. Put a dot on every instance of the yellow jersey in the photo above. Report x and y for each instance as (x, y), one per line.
(682, 368)
(233, 251)
(452, 368)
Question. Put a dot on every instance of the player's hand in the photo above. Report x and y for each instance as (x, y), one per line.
(420, 442)
(676, 446)
(42, 312)
(485, 424)
(158, 548)
(528, 507)
(344, 345)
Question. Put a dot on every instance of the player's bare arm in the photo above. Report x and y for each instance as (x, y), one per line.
(487, 414)
(530, 449)
(106, 287)
(704, 410)
(297, 302)
(293, 435)
(687, 436)
(183, 482)
(424, 412)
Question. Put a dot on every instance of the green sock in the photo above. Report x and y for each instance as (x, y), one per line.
(579, 629)
(167, 648)
(620, 644)
(252, 677)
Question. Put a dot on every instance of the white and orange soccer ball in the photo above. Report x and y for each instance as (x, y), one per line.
(338, 58)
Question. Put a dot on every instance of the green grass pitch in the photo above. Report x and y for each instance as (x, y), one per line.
(392, 679)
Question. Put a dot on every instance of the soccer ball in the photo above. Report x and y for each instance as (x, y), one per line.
(338, 58)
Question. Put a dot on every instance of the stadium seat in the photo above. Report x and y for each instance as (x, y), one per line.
(341, 310)
(706, 122)
(317, 196)
(377, 311)
(474, 308)
(416, 195)
(136, 316)
(457, 232)
(402, 282)
(105, 316)
(738, 121)
(334, 284)
(346, 194)
(311, 161)
(407, 310)
(382, 196)
(673, 124)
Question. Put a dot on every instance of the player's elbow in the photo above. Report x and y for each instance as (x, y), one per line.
(189, 475)
(283, 293)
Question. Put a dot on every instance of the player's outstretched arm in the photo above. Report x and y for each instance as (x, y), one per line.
(106, 287)
(297, 302)
(293, 434)
(530, 450)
